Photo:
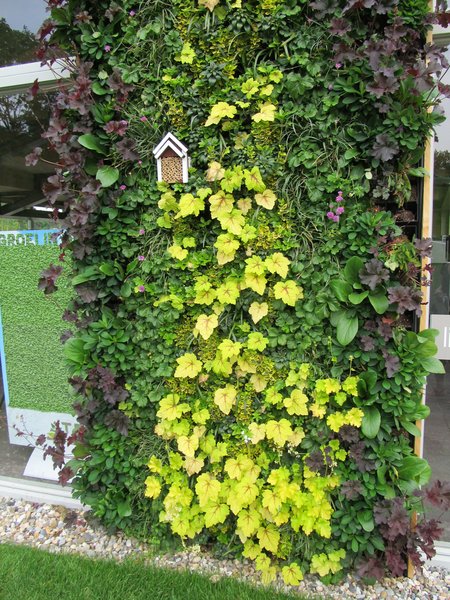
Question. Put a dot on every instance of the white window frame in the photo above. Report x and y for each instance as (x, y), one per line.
(16, 79)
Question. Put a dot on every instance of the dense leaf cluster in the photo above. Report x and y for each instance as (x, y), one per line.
(248, 334)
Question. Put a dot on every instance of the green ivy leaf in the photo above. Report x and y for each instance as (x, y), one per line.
(371, 422)
(107, 176)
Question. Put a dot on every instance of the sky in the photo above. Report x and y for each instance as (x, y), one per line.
(20, 13)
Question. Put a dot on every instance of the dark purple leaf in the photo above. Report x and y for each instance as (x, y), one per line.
(127, 149)
(49, 276)
(371, 567)
(373, 273)
(384, 148)
(117, 420)
(406, 298)
(438, 494)
(351, 489)
(32, 159)
(367, 343)
(424, 247)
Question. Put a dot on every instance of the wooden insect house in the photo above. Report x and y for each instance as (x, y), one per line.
(172, 160)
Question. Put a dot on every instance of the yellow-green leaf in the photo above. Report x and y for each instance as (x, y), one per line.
(176, 251)
(225, 398)
(266, 113)
(206, 324)
(278, 263)
(215, 513)
(207, 488)
(278, 431)
(288, 292)
(268, 538)
(228, 292)
(256, 341)
(189, 205)
(220, 111)
(292, 574)
(258, 310)
(188, 366)
(152, 487)
(248, 522)
(296, 403)
(188, 445)
(215, 172)
(266, 199)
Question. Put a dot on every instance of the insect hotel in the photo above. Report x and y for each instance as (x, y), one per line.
(172, 160)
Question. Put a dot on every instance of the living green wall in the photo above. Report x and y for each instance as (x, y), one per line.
(248, 370)
(36, 371)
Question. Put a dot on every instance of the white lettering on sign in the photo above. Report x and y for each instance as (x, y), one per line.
(442, 324)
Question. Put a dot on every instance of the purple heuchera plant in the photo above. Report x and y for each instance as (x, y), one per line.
(373, 273)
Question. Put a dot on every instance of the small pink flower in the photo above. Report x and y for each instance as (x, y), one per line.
(336, 219)
(123, 187)
(139, 162)
(132, 13)
(141, 231)
(338, 65)
(330, 215)
(141, 288)
(141, 258)
(107, 48)
(340, 193)
(340, 210)
(143, 119)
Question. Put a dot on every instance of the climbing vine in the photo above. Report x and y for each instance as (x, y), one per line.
(246, 362)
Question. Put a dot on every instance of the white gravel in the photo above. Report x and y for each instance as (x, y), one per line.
(58, 529)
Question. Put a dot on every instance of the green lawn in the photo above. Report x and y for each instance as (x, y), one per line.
(30, 574)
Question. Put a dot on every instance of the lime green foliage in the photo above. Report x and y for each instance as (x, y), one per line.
(32, 325)
(35, 574)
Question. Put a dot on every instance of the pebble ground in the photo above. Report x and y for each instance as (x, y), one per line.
(58, 529)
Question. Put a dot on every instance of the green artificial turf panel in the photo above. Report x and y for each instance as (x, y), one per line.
(32, 325)
(30, 574)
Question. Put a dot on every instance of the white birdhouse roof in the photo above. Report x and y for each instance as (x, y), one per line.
(170, 141)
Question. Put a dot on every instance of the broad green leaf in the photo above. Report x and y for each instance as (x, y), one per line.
(379, 302)
(415, 469)
(88, 274)
(352, 269)
(433, 365)
(366, 521)
(341, 288)
(91, 142)
(371, 422)
(124, 508)
(107, 176)
(357, 298)
(107, 269)
(346, 330)
(74, 351)
(410, 427)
